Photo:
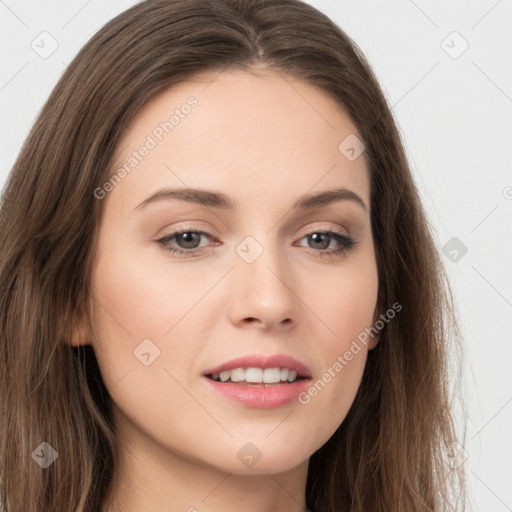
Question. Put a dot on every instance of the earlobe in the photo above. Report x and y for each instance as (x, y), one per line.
(375, 338)
(78, 339)
(79, 335)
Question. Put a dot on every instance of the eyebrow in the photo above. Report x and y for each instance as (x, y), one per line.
(214, 199)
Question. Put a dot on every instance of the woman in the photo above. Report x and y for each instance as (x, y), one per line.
(219, 286)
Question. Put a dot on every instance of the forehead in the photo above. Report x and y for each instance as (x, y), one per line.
(247, 133)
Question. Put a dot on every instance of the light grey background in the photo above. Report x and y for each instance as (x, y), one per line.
(454, 111)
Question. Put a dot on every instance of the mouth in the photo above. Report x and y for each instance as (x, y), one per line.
(259, 381)
(253, 376)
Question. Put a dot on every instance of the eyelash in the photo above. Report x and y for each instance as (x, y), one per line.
(347, 243)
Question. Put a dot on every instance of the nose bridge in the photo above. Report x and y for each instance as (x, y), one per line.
(265, 279)
(262, 256)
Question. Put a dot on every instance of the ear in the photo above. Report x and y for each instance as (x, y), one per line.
(79, 338)
(374, 339)
(80, 332)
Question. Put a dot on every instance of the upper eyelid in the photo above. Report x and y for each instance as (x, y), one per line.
(338, 229)
(210, 234)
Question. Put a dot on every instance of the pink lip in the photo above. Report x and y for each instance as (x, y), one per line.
(261, 396)
(262, 361)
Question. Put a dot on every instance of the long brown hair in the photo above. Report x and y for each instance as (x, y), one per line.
(389, 453)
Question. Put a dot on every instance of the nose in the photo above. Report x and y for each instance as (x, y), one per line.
(264, 293)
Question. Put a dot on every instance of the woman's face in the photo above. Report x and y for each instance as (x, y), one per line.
(264, 281)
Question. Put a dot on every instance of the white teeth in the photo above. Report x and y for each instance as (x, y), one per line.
(271, 375)
(254, 375)
(237, 374)
(292, 375)
(257, 375)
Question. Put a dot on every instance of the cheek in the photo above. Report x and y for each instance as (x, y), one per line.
(147, 310)
(140, 316)
(138, 297)
(345, 303)
(132, 310)
(344, 300)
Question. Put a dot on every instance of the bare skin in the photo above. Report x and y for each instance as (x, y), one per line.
(260, 142)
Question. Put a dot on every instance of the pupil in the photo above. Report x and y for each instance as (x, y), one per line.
(314, 236)
(188, 239)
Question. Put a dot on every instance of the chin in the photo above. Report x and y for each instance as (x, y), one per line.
(251, 460)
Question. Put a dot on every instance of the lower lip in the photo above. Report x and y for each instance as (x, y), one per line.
(259, 396)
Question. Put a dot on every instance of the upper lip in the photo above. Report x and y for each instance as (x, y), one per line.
(262, 361)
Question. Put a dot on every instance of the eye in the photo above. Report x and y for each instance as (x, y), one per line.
(187, 238)
(186, 242)
(322, 240)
